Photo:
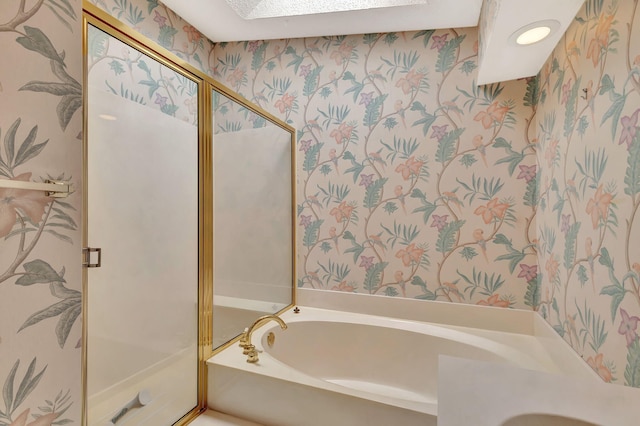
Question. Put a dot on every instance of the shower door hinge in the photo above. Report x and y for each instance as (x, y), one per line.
(86, 257)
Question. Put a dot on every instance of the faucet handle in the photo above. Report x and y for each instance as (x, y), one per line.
(244, 341)
(252, 354)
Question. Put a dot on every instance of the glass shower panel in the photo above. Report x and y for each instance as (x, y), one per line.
(253, 243)
(142, 165)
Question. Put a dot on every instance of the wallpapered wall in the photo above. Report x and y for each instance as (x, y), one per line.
(417, 209)
(157, 22)
(125, 72)
(412, 180)
(589, 159)
(40, 272)
(126, 76)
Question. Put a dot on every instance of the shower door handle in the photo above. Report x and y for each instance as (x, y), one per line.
(86, 257)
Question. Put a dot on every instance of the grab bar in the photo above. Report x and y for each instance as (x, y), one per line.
(52, 188)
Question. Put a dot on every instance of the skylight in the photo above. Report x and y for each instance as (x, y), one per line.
(256, 9)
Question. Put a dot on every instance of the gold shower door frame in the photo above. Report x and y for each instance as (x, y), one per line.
(92, 15)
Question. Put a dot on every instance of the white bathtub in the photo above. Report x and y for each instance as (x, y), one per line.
(339, 368)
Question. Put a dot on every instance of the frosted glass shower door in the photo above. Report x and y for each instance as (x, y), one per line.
(142, 183)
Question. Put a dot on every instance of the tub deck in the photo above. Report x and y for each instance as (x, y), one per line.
(312, 380)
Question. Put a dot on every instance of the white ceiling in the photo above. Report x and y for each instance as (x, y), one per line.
(218, 21)
(501, 58)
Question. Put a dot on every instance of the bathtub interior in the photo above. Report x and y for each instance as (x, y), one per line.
(388, 361)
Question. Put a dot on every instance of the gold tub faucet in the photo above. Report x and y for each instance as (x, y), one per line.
(245, 339)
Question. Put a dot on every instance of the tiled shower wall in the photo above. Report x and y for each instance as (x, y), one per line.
(40, 273)
(589, 162)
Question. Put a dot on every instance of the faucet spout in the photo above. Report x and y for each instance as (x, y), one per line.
(249, 348)
(262, 320)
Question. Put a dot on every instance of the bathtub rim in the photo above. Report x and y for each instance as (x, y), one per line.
(432, 311)
(459, 334)
(519, 321)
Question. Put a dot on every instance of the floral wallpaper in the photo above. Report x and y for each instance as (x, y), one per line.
(413, 181)
(130, 76)
(157, 22)
(40, 272)
(134, 76)
(588, 102)
(469, 131)
(229, 116)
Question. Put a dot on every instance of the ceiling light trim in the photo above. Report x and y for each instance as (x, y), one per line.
(551, 24)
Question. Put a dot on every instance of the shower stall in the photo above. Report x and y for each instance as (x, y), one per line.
(142, 212)
(161, 141)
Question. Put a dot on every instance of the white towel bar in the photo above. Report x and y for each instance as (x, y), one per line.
(54, 189)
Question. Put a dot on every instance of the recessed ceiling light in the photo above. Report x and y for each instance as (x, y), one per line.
(108, 117)
(535, 32)
(533, 35)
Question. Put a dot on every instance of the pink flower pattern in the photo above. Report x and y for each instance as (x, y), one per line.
(366, 98)
(305, 220)
(305, 70)
(439, 132)
(366, 262)
(628, 327)
(439, 41)
(366, 180)
(629, 128)
(161, 20)
(439, 222)
(305, 145)
(528, 272)
(528, 173)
